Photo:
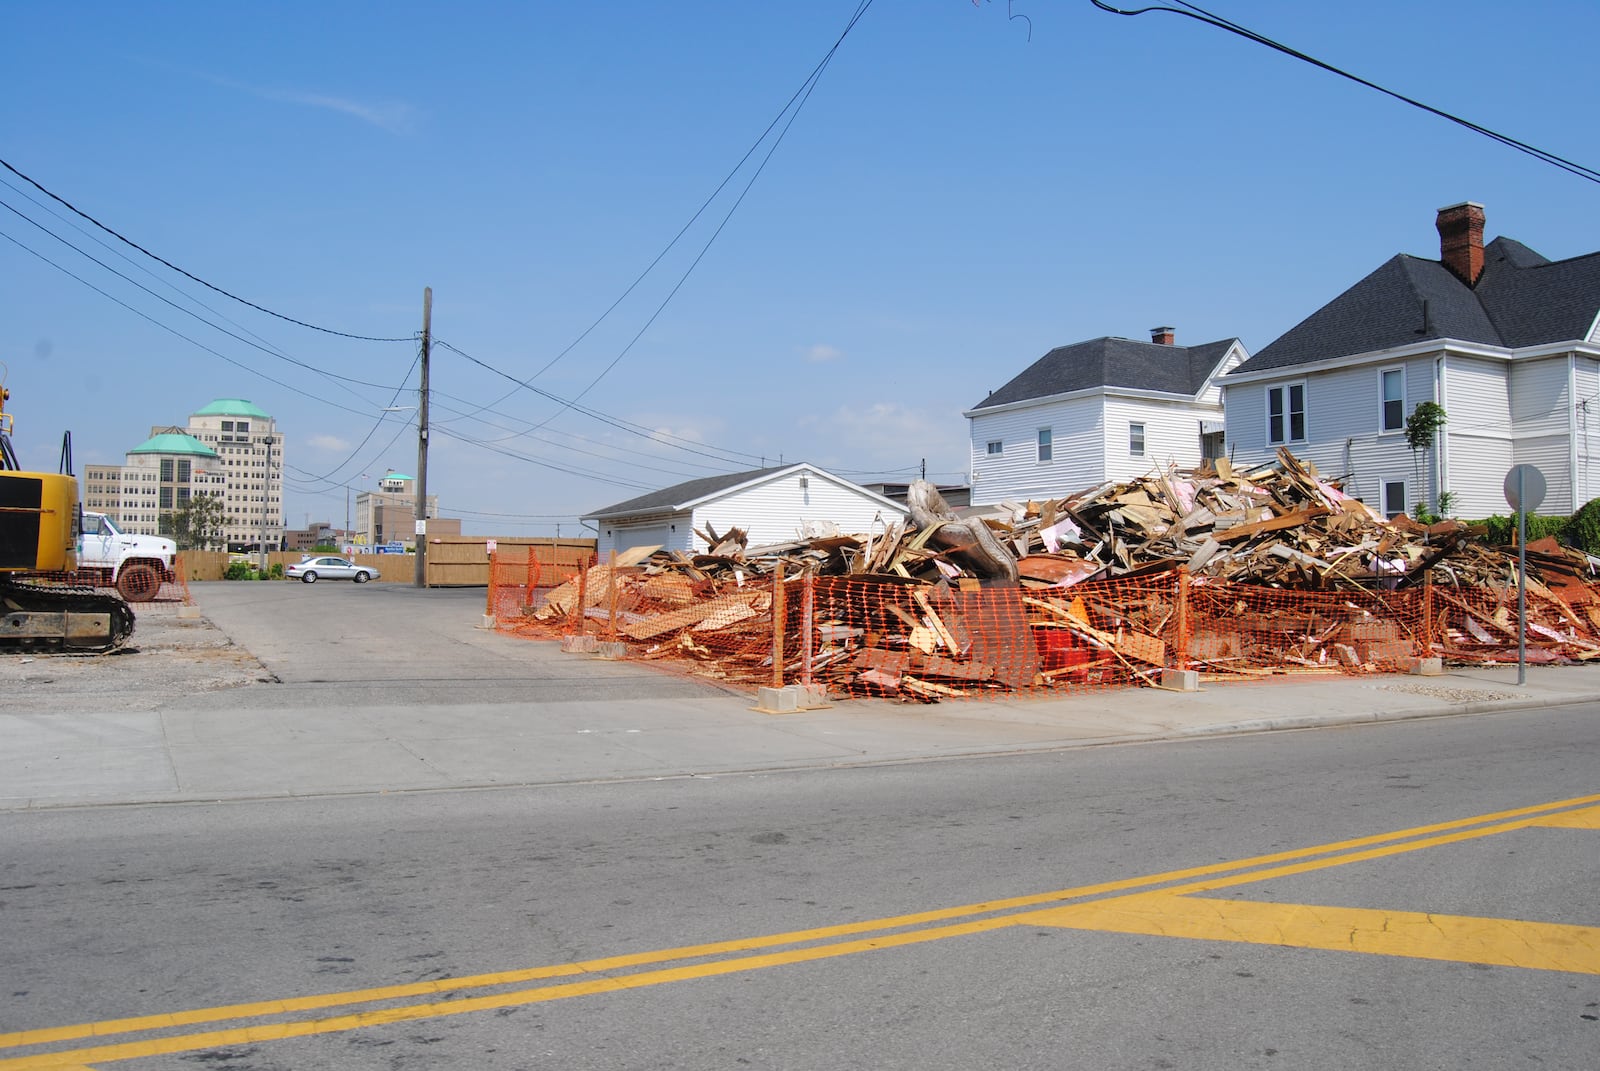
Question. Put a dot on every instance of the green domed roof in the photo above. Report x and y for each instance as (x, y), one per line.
(232, 407)
(174, 442)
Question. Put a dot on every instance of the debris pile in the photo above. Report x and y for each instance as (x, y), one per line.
(1235, 573)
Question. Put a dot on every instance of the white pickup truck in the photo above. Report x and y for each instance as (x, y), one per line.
(136, 565)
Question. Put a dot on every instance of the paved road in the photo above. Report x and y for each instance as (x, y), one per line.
(1414, 894)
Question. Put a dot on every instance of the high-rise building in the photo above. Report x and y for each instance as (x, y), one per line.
(230, 450)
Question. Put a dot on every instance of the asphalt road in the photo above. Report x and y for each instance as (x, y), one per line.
(1025, 911)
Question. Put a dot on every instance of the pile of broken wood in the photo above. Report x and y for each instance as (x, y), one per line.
(1238, 574)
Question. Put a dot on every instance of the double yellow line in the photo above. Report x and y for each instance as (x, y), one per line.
(1166, 904)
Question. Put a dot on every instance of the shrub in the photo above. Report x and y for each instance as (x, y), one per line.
(276, 572)
(1503, 529)
(1583, 530)
(239, 571)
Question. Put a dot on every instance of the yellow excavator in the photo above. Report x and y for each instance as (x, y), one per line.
(40, 608)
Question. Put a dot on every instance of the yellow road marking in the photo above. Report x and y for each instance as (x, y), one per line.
(1003, 913)
(1412, 934)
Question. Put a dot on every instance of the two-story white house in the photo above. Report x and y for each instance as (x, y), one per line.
(1105, 409)
(1506, 341)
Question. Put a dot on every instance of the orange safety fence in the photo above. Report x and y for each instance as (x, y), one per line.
(883, 635)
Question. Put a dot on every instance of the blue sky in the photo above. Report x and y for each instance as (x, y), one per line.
(961, 192)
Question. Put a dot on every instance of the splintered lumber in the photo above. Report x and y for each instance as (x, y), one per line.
(674, 620)
(927, 665)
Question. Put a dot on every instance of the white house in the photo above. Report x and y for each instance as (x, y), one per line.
(1503, 339)
(772, 505)
(1105, 409)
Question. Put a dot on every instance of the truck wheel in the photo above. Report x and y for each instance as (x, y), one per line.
(309, 577)
(362, 577)
(138, 583)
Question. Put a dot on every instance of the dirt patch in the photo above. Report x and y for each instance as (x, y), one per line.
(168, 658)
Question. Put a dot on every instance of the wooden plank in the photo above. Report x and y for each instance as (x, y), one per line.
(1272, 524)
(672, 620)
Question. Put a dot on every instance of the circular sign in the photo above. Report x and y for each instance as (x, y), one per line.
(1524, 488)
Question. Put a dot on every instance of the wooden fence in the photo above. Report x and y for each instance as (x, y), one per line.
(453, 561)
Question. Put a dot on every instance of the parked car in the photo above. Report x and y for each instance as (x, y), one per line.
(327, 567)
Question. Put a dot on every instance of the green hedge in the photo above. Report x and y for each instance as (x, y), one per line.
(1503, 529)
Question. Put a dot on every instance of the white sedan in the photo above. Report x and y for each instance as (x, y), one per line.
(311, 570)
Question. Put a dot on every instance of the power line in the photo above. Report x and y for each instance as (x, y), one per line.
(188, 275)
(172, 330)
(790, 108)
(1201, 15)
(341, 380)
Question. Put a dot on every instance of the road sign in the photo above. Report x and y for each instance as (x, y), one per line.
(1524, 488)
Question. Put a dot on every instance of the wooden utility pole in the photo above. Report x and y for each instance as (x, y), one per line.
(422, 442)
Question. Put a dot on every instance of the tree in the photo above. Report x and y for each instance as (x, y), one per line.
(200, 523)
(1422, 428)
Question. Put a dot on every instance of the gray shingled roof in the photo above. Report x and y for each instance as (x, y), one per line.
(680, 496)
(1521, 299)
(1114, 362)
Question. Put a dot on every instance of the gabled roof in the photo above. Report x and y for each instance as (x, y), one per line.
(174, 442)
(232, 407)
(1115, 362)
(1521, 299)
(685, 496)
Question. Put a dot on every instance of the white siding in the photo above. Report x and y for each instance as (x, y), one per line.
(668, 530)
(1587, 381)
(1540, 411)
(1477, 407)
(1171, 435)
(1078, 431)
(775, 510)
(1212, 395)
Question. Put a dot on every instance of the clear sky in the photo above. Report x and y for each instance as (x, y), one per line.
(967, 186)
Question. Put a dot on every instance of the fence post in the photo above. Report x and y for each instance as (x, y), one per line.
(583, 595)
(488, 604)
(1427, 615)
(1180, 631)
(806, 626)
(777, 626)
(611, 583)
(533, 574)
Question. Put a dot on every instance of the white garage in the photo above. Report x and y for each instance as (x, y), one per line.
(773, 505)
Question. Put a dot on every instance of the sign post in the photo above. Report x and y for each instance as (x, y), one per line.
(1524, 491)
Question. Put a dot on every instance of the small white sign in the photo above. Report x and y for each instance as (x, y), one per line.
(489, 545)
(422, 528)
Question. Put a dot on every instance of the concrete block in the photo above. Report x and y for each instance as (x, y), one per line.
(611, 650)
(580, 644)
(487, 622)
(188, 613)
(785, 700)
(811, 696)
(1183, 680)
(1425, 667)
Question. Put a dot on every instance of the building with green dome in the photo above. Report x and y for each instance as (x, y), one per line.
(230, 449)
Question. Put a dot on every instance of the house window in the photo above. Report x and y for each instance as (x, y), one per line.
(1394, 497)
(995, 448)
(1136, 440)
(1393, 389)
(1286, 413)
(1046, 446)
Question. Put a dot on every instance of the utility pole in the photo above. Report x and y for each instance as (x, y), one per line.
(422, 442)
(266, 494)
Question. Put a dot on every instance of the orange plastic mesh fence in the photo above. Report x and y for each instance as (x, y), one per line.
(878, 635)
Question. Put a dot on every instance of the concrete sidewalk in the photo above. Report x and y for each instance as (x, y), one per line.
(361, 734)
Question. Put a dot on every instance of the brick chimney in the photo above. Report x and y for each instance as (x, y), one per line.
(1461, 240)
(1163, 336)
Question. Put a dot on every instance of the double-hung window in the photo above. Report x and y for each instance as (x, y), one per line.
(1394, 497)
(1286, 413)
(996, 447)
(1392, 390)
(1046, 445)
(1136, 440)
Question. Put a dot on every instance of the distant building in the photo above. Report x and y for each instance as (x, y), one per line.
(389, 514)
(230, 450)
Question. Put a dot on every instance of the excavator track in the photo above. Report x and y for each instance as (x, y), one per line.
(70, 619)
